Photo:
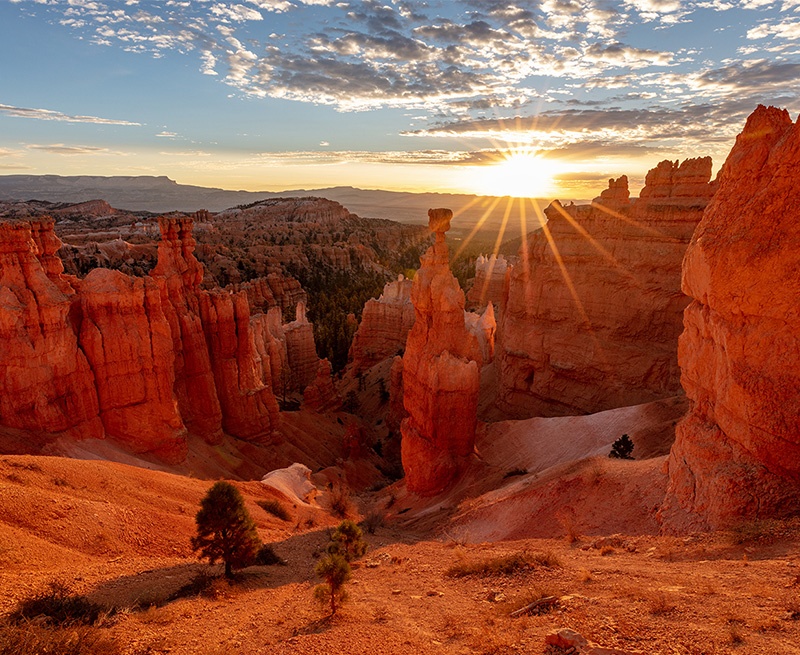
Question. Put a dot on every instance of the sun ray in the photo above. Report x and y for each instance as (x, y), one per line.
(477, 227)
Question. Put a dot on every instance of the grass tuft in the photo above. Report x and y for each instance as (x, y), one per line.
(275, 508)
(506, 565)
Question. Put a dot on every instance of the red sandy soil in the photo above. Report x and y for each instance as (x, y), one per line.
(121, 534)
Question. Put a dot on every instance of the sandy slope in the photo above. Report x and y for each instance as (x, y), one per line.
(120, 535)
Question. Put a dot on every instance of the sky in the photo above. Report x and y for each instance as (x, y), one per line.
(545, 98)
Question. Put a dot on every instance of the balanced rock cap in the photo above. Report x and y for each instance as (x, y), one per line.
(439, 219)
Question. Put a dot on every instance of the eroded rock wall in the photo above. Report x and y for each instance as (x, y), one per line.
(737, 454)
(441, 374)
(384, 326)
(594, 306)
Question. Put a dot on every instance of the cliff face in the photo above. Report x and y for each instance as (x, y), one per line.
(46, 384)
(384, 326)
(441, 374)
(490, 279)
(127, 341)
(594, 307)
(737, 454)
(145, 360)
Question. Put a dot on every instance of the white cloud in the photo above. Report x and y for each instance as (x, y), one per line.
(51, 115)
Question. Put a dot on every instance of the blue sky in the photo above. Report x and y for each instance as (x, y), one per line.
(281, 94)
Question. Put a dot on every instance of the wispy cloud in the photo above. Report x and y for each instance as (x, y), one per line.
(61, 149)
(51, 115)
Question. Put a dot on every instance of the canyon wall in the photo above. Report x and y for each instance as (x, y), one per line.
(144, 360)
(489, 284)
(441, 374)
(384, 326)
(737, 453)
(594, 306)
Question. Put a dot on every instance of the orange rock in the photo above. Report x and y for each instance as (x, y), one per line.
(46, 384)
(441, 374)
(249, 408)
(321, 394)
(737, 454)
(490, 279)
(301, 349)
(128, 344)
(384, 327)
(594, 307)
(178, 275)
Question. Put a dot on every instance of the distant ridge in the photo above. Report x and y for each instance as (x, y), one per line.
(161, 194)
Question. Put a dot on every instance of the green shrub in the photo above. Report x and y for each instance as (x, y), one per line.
(622, 448)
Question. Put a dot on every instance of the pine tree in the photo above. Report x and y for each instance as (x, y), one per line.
(348, 541)
(225, 529)
(335, 570)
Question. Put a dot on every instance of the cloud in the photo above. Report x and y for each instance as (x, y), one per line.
(61, 149)
(15, 167)
(51, 115)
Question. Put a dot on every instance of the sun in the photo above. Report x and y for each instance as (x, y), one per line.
(519, 173)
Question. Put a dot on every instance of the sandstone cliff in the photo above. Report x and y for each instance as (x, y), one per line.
(594, 307)
(144, 360)
(737, 454)
(46, 384)
(490, 279)
(384, 325)
(441, 374)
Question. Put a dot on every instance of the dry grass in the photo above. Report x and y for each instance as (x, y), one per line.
(505, 565)
(569, 524)
(29, 639)
(340, 501)
(275, 508)
(658, 602)
(585, 575)
(537, 592)
(58, 606)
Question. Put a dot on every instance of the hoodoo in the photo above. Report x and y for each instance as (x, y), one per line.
(594, 307)
(737, 453)
(441, 373)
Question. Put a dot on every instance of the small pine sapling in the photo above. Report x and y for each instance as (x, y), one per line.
(335, 570)
(622, 448)
(225, 529)
(347, 541)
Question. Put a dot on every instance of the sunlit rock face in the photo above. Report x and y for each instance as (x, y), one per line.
(594, 306)
(144, 360)
(490, 279)
(128, 343)
(384, 326)
(46, 384)
(178, 275)
(441, 373)
(737, 454)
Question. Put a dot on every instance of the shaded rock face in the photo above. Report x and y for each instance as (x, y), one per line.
(384, 325)
(321, 395)
(737, 454)
(46, 383)
(594, 307)
(441, 374)
(145, 360)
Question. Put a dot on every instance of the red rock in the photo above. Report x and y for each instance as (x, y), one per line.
(397, 410)
(490, 279)
(249, 408)
(602, 331)
(384, 327)
(178, 275)
(128, 344)
(321, 395)
(46, 384)
(737, 454)
(441, 374)
(301, 350)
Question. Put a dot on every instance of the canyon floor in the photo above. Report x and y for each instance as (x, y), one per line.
(120, 536)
